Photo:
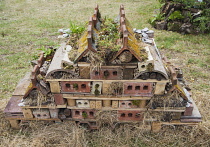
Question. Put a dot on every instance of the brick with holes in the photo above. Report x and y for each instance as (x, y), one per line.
(75, 86)
(138, 89)
(130, 115)
(126, 104)
(83, 113)
(41, 113)
(107, 73)
(83, 103)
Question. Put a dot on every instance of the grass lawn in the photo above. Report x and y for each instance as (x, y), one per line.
(26, 25)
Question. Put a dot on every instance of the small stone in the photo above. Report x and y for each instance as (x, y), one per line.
(65, 35)
(150, 31)
(150, 34)
(148, 41)
(67, 31)
(144, 35)
(145, 30)
(188, 104)
(138, 31)
(21, 104)
(60, 36)
(60, 30)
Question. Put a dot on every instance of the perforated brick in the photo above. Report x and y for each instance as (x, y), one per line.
(75, 86)
(96, 88)
(41, 113)
(83, 114)
(126, 104)
(83, 103)
(138, 89)
(130, 115)
(107, 74)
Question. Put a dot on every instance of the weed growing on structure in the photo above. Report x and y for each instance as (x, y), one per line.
(84, 114)
(47, 51)
(75, 86)
(136, 102)
(76, 29)
(108, 35)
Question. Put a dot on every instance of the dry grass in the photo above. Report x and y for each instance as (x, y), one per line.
(30, 24)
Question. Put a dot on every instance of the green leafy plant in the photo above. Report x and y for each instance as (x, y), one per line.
(75, 86)
(162, 1)
(46, 51)
(136, 102)
(185, 2)
(176, 15)
(96, 92)
(157, 17)
(35, 57)
(106, 74)
(76, 29)
(201, 23)
(109, 35)
(96, 86)
(84, 114)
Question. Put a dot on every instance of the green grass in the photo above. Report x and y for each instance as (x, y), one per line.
(26, 25)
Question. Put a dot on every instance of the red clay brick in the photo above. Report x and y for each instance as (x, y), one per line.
(130, 115)
(138, 89)
(126, 104)
(70, 86)
(59, 100)
(112, 74)
(78, 113)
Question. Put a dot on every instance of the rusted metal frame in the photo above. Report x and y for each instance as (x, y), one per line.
(89, 40)
(125, 37)
(125, 43)
(173, 75)
(41, 59)
(122, 10)
(91, 24)
(90, 36)
(125, 33)
(122, 22)
(81, 55)
(122, 17)
(175, 82)
(95, 15)
(35, 72)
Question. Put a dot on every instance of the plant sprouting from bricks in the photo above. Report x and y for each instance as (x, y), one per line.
(47, 51)
(84, 114)
(96, 92)
(76, 29)
(75, 86)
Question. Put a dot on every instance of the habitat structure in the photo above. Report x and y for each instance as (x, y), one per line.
(112, 74)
